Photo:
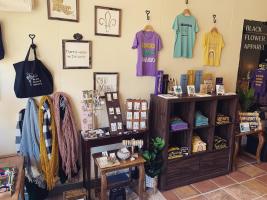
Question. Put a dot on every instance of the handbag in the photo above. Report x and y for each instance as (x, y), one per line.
(32, 77)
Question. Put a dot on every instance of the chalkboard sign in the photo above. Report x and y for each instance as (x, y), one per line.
(77, 54)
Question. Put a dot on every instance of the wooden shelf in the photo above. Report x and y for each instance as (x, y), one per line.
(196, 166)
(202, 127)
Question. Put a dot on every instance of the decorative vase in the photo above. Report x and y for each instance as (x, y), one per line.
(152, 182)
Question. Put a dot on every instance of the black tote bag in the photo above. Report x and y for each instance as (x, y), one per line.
(32, 77)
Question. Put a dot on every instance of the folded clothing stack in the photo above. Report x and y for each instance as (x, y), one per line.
(201, 120)
(178, 124)
(198, 145)
(222, 119)
(177, 152)
(219, 143)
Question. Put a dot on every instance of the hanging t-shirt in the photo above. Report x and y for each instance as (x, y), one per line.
(186, 28)
(212, 45)
(259, 82)
(148, 44)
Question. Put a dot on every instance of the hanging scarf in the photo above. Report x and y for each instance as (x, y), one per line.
(67, 133)
(29, 144)
(19, 130)
(48, 142)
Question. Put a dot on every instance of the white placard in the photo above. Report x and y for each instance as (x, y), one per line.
(77, 54)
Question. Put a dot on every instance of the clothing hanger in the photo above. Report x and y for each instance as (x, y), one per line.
(214, 29)
(148, 27)
(186, 11)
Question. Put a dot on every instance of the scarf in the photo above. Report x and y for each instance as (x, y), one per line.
(67, 133)
(19, 130)
(48, 142)
(29, 144)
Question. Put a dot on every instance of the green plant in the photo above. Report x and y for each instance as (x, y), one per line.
(246, 99)
(153, 157)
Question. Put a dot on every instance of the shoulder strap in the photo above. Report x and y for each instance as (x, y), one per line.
(33, 46)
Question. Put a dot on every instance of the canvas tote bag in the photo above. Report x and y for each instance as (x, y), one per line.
(32, 77)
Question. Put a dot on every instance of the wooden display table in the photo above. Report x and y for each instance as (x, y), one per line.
(138, 162)
(238, 137)
(14, 161)
(87, 144)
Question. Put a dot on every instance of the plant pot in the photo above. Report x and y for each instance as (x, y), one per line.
(152, 182)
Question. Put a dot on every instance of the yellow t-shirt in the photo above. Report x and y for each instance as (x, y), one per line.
(212, 46)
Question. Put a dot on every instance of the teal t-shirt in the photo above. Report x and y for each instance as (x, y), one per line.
(185, 28)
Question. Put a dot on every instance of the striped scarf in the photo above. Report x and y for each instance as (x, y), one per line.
(67, 133)
(48, 142)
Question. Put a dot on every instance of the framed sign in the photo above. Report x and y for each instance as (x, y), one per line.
(77, 54)
(191, 90)
(107, 21)
(67, 10)
(106, 82)
(244, 127)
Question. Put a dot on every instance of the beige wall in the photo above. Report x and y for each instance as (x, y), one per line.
(115, 54)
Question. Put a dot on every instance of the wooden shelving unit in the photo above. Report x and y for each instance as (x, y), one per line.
(196, 166)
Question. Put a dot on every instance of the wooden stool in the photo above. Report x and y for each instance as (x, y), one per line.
(138, 162)
(238, 137)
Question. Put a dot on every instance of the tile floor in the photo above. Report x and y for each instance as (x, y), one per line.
(249, 182)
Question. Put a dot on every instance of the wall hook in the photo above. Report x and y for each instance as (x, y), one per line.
(186, 2)
(32, 36)
(78, 36)
(147, 14)
(214, 18)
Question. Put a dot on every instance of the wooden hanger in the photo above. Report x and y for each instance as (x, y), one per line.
(148, 28)
(187, 12)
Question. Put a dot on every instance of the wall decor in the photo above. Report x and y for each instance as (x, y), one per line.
(114, 113)
(106, 82)
(77, 54)
(67, 10)
(107, 21)
(16, 5)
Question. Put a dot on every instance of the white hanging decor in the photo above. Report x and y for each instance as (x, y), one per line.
(16, 5)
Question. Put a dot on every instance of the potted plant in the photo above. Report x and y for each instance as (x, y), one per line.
(154, 162)
(246, 99)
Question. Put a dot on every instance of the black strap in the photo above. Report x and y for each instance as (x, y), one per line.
(33, 46)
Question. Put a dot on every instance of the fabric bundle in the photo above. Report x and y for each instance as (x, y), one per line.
(29, 145)
(201, 120)
(48, 141)
(219, 143)
(178, 124)
(67, 133)
(198, 145)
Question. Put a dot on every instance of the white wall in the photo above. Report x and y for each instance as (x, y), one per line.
(114, 54)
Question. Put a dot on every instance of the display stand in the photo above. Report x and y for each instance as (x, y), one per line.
(201, 165)
(87, 144)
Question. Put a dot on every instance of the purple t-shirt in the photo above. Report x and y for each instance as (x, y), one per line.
(148, 44)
